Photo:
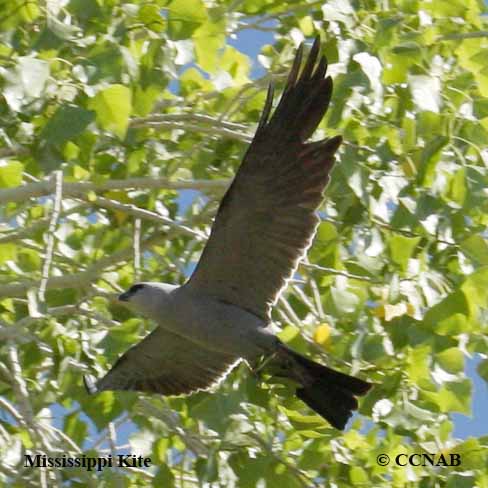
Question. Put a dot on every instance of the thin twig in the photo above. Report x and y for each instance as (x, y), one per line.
(58, 197)
(24, 232)
(339, 272)
(146, 214)
(137, 249)
(213, 131)
(463, 35)
(289, 310)
(189, 117)
(190, 439)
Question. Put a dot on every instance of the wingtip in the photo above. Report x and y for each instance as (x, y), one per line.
(335, 142)
(90, 385)
(267, 106)
(311, 60)
(297, 62)
(321, 68)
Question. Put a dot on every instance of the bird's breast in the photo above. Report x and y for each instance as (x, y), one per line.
(217, 325)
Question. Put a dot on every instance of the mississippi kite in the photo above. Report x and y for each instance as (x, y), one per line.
(264, 225)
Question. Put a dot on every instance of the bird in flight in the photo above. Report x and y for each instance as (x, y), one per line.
(264, 225)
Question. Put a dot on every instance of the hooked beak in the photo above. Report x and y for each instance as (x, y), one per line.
(124, 297)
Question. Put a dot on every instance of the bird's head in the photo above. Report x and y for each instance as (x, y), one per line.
(150, 299)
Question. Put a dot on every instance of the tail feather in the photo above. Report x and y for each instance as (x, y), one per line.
(333, 404)
(330, 393)
(354, 385)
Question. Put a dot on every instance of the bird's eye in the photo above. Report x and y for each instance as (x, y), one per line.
(134, 288)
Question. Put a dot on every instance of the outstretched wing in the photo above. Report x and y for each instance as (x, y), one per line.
(165, 363)
(267, 218)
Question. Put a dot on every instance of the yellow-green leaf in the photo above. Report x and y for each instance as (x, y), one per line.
(113, 106)
(10, 174)
(452, 360)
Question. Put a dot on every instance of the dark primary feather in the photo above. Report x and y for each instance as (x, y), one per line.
(267, 218)
(165, 363)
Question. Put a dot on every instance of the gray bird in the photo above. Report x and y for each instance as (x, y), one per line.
(264, 225)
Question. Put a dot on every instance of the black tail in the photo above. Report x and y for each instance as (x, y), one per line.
(331, 394)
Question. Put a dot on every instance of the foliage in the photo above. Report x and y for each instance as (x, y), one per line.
(111, 112)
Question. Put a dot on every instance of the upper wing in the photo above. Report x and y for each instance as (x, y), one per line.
(266, 220)
(165, 363)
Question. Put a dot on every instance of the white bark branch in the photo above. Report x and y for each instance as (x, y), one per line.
(58, 198)
(89, 275)
(137, 248)
(189, 117)
(146, 214)
(185, 126)
(80, 189)
(24, 232)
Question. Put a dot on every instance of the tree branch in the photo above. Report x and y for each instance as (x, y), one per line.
(38, 225)
(463, 35)
(79, 189)
(147, 215)
(214, 131)
(46, 268)
(83, 278)
(189, 117)
(341, 273)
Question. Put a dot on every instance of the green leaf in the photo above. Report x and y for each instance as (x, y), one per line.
(75, 428)
(454, 324)
(102, 408)
(113, 106)
(482, 369)
(304, 423)
(249, 470)
(401, 249)
(236, 64)
(292, 336)
(150, 16)
(452, 360)
(476, 248)
(429, 158)
(164, 477)
(144, 99)
(480, 107)
(457, 188)
(408, 48)
(418, 361)
(473, 454)
(208, 40)
(468, 53)
(289, 333)
(8, 252)
(306, 26)
(184, 17)
(475, 289)
(67, 122)
(26, 439)
(207, 468)
(326, 232)
(395, 68)
(10, 173)
(358, 476)
(452, 397)
(449, 315)
(331, 50)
